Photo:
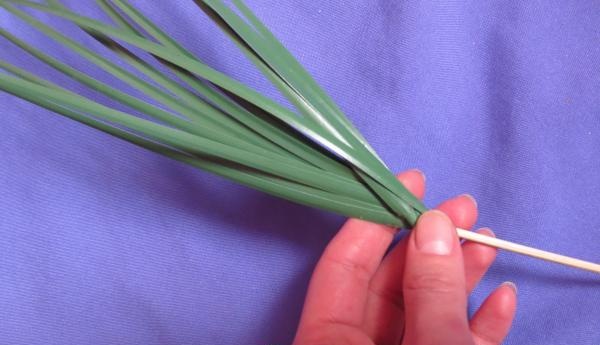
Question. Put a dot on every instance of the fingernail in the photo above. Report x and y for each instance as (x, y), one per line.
(486, 231)
(510, 285)
(434, 233)
(470, 197)
(420, 173)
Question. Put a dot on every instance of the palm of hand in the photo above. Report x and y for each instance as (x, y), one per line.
(358, 297)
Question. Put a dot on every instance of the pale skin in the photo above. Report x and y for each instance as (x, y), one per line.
(416, 294)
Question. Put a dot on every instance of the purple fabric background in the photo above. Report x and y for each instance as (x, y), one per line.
(104, 243)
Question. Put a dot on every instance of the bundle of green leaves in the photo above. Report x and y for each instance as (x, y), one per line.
(312, 155)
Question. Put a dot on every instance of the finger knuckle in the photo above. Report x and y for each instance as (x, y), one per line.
(432, 282)
(356, 268)
(392, 295)
(481, 261)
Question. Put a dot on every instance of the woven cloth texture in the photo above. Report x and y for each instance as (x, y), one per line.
(105, 243)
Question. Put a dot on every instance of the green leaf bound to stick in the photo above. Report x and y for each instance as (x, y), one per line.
(313, 155)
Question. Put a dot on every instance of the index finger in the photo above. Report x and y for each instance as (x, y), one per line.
(338, 289)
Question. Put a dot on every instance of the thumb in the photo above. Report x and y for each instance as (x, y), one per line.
(434, 284)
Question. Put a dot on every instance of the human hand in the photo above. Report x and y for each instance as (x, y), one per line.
(415, 295)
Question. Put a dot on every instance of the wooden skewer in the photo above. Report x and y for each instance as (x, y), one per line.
(521, 249)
